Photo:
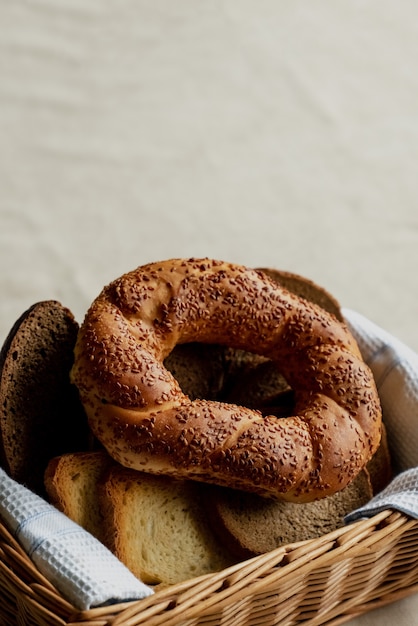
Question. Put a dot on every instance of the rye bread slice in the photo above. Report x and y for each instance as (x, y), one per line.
(307, 289)
(41, 415)
(250, 525)
(198, 368)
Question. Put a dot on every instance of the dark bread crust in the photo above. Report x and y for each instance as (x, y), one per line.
(40, 412)
(380, 465)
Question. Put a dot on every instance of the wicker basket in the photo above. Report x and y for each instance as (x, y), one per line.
(323, 581)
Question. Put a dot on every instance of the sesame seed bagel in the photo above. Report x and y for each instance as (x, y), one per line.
(138, 411)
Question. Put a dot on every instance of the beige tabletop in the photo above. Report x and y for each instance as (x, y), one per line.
(270, 133)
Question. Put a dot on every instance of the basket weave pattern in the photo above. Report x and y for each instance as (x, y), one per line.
(323, 581)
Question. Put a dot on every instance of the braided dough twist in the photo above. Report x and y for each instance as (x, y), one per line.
(139, 413)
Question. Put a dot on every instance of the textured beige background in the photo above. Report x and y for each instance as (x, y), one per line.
(264, 132)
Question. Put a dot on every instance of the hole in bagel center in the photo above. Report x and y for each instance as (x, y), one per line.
(214, 372)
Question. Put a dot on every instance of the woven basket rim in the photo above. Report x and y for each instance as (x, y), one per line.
(270, 575)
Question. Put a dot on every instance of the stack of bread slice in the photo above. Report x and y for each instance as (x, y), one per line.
(156, 525)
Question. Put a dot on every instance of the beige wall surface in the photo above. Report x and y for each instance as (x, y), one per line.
(268, 133)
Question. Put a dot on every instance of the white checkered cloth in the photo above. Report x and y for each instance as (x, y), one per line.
(401, 494)
(395, 369)
(80, 567)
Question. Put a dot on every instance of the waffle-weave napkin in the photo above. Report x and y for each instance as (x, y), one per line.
(81, 568)
(395, 369)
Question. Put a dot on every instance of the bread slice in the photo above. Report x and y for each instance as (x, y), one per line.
(251, 525)
(72, 485)
(307, 289)
(380, 465)
(157, 526)
(261, 386)
(198, 368)
(40, 412)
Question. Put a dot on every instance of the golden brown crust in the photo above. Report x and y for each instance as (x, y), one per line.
(138, 411)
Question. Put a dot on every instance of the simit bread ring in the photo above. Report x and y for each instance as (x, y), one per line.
(138, 411)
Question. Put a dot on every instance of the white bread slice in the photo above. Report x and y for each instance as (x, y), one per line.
(71, 482)
(157, 526)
